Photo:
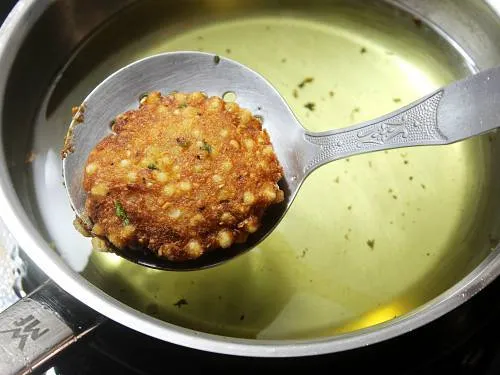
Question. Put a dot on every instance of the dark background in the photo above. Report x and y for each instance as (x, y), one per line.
(5, 7)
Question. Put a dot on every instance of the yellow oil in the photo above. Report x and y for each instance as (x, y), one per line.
(368, 238)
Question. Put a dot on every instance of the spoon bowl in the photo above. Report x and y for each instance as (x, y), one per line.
(461, 110)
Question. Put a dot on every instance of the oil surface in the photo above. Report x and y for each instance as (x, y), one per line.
(367, 239)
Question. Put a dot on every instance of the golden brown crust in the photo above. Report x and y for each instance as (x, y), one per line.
(182, 175)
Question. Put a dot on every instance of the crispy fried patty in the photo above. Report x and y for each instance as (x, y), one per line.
(181, 175)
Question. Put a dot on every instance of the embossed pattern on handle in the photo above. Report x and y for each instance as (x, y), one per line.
(38, 327)
(412, 126)
(28, 333)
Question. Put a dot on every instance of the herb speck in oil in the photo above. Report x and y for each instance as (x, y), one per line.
(310, 106)
(305, 81)
(354, 111)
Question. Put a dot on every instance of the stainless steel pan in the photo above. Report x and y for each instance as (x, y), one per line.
(407, 244)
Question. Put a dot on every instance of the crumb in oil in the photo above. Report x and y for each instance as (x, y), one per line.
(30, 157)
(371, 244)
(310, 106)
(303, 254)
(181, 302)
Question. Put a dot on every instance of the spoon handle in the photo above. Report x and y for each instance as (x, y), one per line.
(464, 109)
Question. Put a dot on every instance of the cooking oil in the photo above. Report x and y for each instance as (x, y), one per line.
(368, 238)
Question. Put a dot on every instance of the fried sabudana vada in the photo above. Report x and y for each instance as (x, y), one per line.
(181, 175)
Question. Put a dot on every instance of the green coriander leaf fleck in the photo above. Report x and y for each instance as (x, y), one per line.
(121, 213)
(206, 147)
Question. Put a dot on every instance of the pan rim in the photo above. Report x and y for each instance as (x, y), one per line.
(23, 16)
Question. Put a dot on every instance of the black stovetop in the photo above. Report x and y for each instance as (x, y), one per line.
(464, 341)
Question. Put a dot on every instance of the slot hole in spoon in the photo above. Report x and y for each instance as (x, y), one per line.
(229, 96)
(143, 96)
(111, 124)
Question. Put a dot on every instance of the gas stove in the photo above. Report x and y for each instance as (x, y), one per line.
(463, 342)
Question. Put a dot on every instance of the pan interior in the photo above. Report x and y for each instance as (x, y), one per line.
(368, 238)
